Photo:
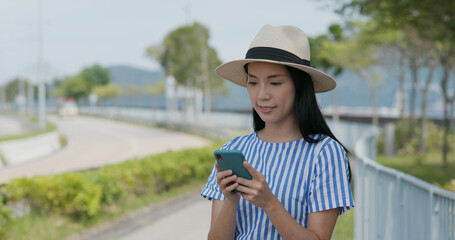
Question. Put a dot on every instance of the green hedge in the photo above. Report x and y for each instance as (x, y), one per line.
(83, 194)
(5, 217)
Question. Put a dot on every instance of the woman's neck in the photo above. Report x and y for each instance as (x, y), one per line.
(279, 134)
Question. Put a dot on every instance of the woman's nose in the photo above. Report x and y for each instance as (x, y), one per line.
(264, 93)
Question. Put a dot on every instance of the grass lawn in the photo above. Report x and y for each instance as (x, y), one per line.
(344, 229)
(430, 169)
(49, 128)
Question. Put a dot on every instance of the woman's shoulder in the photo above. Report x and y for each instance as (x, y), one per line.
(239, 140)
(326, 143)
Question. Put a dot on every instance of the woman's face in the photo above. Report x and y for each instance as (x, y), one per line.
(271, 91)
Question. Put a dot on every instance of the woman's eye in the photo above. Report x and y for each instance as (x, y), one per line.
(276, 83)
(251, 83)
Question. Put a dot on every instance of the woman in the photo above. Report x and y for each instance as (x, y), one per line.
(300, 170)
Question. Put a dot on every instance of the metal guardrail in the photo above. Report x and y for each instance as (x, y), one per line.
(393, 205)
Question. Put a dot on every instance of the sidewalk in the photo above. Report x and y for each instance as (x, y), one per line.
(183, 217)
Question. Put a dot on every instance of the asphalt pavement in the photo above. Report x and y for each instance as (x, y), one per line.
(95, 142)
(10, 126)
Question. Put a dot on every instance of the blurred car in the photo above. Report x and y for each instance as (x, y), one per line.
(68, 109)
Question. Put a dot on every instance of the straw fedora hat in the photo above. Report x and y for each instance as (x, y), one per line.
(285, 45)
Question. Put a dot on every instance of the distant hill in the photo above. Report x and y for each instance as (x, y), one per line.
(126, 75)
(351, 90)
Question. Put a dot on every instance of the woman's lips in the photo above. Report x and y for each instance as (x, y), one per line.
(266, 109)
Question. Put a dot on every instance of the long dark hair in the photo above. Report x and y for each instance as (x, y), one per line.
(307, 112)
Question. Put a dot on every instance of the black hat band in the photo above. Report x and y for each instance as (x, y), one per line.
(275, 54)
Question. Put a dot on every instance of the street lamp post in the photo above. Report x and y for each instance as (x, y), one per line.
(41, 80)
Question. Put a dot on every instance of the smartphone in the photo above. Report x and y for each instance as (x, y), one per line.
(232, 160)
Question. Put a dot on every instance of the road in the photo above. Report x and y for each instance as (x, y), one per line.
(10, 126)
(94, 142)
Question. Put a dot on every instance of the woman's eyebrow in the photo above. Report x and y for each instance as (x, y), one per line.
(276, 76)
(251, 75)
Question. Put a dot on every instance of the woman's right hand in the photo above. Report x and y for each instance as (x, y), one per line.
(225, 181)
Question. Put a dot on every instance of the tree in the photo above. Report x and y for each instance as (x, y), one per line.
(433, 20)
(318, 60)
(357, 55)
(12, 88)
(155, 89)
(131, 92)
(96, 76)
(83, 82)
(73, 87)
(186, 55)
(107, 91)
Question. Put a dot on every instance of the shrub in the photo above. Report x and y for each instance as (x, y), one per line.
(402, 133)
(67, 194)
(404, 145)
(5, 217)
(83, 193)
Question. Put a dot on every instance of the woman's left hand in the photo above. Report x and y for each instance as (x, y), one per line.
(256, 190)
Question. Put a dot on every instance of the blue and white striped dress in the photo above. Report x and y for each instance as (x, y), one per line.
(305, 177)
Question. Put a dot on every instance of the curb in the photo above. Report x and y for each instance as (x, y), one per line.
(19, 151)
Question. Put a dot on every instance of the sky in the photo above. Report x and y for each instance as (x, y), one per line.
(78, 34)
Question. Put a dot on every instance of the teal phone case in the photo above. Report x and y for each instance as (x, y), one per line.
(232, 160)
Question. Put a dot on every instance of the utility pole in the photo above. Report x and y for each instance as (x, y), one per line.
(41, 80)
(21, 96)
(206, 79)
(30, 88)
(3, 97)
(2, 88)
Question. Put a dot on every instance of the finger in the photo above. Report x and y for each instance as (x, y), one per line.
(218, 168)
(245, 190)
(224, 182)
(222, 175)
(231, 187)
(250, 168)
(245, 182)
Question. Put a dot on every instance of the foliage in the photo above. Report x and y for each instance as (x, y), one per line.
(73, 87)
(107, 91)
(344, 228)
(410, 147)
(429, 170)
(132, 91)
(156, 88)
(319, 60)
(434, 135)
(82, 84)
(433, 18)
(5, 217)
(433, 22)
(186, 55)
(68, 194)
(358, 55)
(12, 89)
(85, 194)
(96, 76)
